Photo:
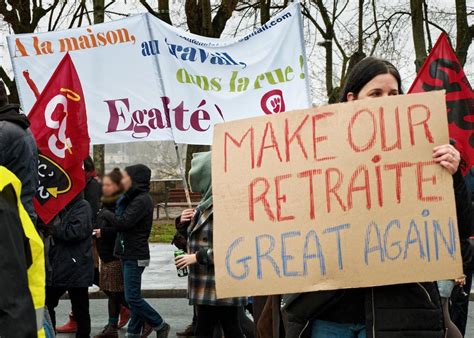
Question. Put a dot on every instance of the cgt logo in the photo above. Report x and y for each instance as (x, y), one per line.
(58, 142)
(272, 102)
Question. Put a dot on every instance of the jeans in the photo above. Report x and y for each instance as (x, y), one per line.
(325, 329)
(140, 310)
(80, 306)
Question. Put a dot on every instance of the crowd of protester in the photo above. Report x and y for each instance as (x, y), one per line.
(101, 237)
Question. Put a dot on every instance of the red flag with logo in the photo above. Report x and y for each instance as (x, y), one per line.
(442, 70)
(59, 125)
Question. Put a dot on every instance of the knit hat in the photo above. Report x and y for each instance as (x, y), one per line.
(140, 175)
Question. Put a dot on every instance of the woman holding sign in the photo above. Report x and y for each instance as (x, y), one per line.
(200, 260)
(405, 310)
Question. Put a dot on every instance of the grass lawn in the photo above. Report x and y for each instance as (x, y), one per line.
(162, 231)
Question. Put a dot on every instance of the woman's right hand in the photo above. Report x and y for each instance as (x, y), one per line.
(187, 215)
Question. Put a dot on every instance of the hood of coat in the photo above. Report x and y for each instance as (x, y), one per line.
(11, 113)
(200, 178)
(140, 175)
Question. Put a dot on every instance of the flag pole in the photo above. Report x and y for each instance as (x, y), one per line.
(178, 155)
(183, 175)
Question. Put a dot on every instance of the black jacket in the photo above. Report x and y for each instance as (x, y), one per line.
(92, 194)
(16, 305)
(19, 154)
(70, 254)
(133, 221)
(108, 233)
(405, 310)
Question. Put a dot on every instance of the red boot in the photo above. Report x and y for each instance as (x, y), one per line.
(69, 327)
(124, 317)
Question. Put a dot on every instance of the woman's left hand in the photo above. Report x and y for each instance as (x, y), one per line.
(185, 260)
(448, 157)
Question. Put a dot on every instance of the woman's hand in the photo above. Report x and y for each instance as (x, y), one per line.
(448, 157)
(187, 215)
(461, 281)
(185, 260)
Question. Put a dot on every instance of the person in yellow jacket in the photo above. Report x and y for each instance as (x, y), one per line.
(22, 265)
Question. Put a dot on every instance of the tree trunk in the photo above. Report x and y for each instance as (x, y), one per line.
(464, 34)
(99, 149)
(418, 32)
(264, 11)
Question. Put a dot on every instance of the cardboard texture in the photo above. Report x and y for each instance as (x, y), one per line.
(340, 196)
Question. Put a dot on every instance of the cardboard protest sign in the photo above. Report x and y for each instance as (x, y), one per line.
(340, 196)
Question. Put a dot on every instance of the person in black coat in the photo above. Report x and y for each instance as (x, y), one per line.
(70, 258)
(92, 194)
(18, 151)
(133, 220)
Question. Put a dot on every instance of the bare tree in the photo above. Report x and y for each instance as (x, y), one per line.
(417, 26)
(23, 17)
(464, 32)
(163, 12)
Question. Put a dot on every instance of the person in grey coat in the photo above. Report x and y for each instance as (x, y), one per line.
(18, 151)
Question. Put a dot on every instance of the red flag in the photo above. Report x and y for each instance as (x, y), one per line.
(59, 125)
(442, 70)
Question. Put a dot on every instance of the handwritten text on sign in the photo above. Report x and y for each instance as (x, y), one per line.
(340, 196)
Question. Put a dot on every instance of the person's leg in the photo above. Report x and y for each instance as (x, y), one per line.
(141, 310)
(325, 329)
(206, 321)
(460, 304)
(247, 324)
(114, 304)
(451, 330)
(53, 295)
(230, 320)
(80, 307)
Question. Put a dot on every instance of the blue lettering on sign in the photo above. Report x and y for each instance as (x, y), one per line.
(242, 260)
(337, 229)
(265, 255)
(285, 257)
(409, 241)
(451, 246)
(396, 244)
(312, 236)
(426, 213)
(378, 247)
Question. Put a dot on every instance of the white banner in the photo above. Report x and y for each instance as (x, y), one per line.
(144, 80)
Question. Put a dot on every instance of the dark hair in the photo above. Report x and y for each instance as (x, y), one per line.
(115, 176)
(364, 71)
(3, 94)
(89, 164)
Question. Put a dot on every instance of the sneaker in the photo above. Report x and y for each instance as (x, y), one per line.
(124, 317)
(69, 327)
(164, 331)
(146, 331)
(109, 331)
(188, 332)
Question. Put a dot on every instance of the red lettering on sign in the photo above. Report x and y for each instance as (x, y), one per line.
(372, 131)
(419, 108)
(260, 198)
(420, 179)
